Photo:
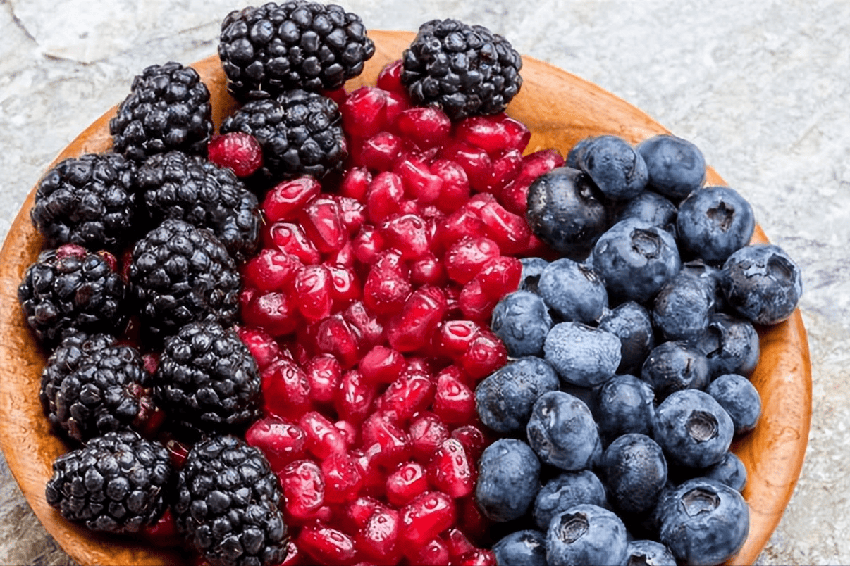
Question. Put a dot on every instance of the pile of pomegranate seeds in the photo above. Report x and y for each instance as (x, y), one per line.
(368, 312)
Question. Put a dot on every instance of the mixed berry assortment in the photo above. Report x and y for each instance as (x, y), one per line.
(372, 327)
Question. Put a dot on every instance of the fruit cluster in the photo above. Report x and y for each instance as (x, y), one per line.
(371, 326)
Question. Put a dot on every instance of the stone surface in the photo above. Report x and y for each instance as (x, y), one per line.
(761, 87)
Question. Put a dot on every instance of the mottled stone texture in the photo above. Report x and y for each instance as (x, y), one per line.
(761, 87)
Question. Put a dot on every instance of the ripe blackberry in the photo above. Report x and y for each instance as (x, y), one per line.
(168, 108)
(87, 200)
(193, 189)
(117, 483)
(464, 70)
(179, 274)
(207, 378)
(71, 290)
(268, 49)
(91, 386)
(227, 504)
(300, 133)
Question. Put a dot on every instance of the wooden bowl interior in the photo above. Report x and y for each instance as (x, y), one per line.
(560, 109)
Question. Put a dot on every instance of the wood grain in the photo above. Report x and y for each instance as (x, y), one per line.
(560, 109)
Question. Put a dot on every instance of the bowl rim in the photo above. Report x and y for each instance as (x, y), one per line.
(774, 452)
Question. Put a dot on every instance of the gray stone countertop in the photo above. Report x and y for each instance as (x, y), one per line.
(762, 87)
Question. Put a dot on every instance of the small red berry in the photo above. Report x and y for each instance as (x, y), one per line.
(237, 150)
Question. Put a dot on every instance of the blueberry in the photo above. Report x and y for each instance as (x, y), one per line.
(613, 164)
(532, 268)
(730, 471)
(505, 398)
(692, 428)
(713, 223)
(521, 548)
(582, 355)
(575, 152)
(635, 471)
(562, 432)
(705, 522)
(682, 307)
(740, 398)
(508, 480)
(566, 491)
(651, 207)
(586, 535)
(673, 366)
(635, 259)
(709, 276)
(522, 321)
(624, 404)
(632, 324)
(648, 553)
(567, 211)
(730, 344)
(574, 291)
(761, 283)
(676, 166)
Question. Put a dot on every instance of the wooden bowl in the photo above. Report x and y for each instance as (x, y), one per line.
(560, 109)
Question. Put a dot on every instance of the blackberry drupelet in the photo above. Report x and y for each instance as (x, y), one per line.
(464, 70)
(117, 483)
(88, 200)
(70, 290)
(168, 108)
(193, 189)
(227, 504)
(300, 133)
(268, 49)
(179, 274)
(91, 386)
(207, 378)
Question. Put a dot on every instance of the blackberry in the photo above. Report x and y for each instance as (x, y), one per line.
(464, 70)
(227, 504)
(300, 133)
(88, 200)
(117, 483)
(70, 290)
(91, 386)
(207, 378)
(168, 108)
(268, 49)
(179, 274)
(191, 188)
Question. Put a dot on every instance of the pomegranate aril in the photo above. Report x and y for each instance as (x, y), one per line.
(352, 213)
(285, 200)
(294, 556)
(410, 330)
(418, 180)
(406, 396)
(342, 258)
(500, 276)
(450, 470)
(474, 303)
(486, 354)
(538, 163)
(323, 374)
(473, 440)
(473, 160)
(367, 244)
(374, 476)
(470, 520)
(303, 489)
(379, 151)
(290, 238)
(455, 188)
(322, 223)
(163, 532)
(508, 230)
(425, 126)
(326, 545)
(388, 284)
(389, 78)
(433, 553)
(354, 397)
(366, 326)
(322, 437)
(393, 443)
(455, 336)
(493, 133)
(506, 167)
(457, 543)
(274, 312)
(355, 183)
(281, 442)
(345, 286)
(405, 483)
(478, 557)
(286, 390)
(237, 150)
(333, 335)
(514, 197)
(382, 364)
(465, 258)
(408, 234)
(358, 511)
(364, 112)
(377, 541)
(342, 478)
(460, 224)
(312, 289)
(454, 401)
(271, 270)
(349, 432)
(384, 196)
(427, 433)
(262, 346)
(424, 518)
(427, 270)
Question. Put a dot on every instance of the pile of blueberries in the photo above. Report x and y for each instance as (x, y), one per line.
(630, 363)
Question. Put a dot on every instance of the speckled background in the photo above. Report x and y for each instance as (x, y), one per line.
(762, 87)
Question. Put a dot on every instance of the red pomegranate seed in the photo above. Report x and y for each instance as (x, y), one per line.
(485, 355)
(500, 276)
(427, 433)
(354, 397)
(455, 188)
(514, 197)
(323, 438)
(425, 126)
(388, 284)
(474, 303)
(286, 390)
(284, 200)
(389, 78)
(349, 432)
(344, 258)
(312, 290)
(465, 258)
(426, 517)
(406, 396)
(470, 520)
(163, 532)
(345, 286)
(478, 557)
(323, 374)
(358, 511)
(382, 364)
(274, 312)
(456, 336)
(338, 95)
(239, 151)
(454, 402)
(271, 270)
(412, 327)
(418, 180)
(326, 545)
(364, 324)
(538, 163)
(474, 161)
(380, 151)
(367, 244)
(322, 222)
(384, 195)
(261, 345)
(427, 270)
(294, 556)
(408, 234)
(393, 442)
(432, 553)
(282, 443)
(355, 183)
(457, 543)
(290, 238)
(364, 112)
(303, 490)
(473, 440)
(374, 476)
(507, 229)
(333, 335)
(463, 223)
(450, 470)
(352, 213)
(377, 541)
(342, 478)
(177, 452)
(493, 133)
(404, 484)
(506, 167)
